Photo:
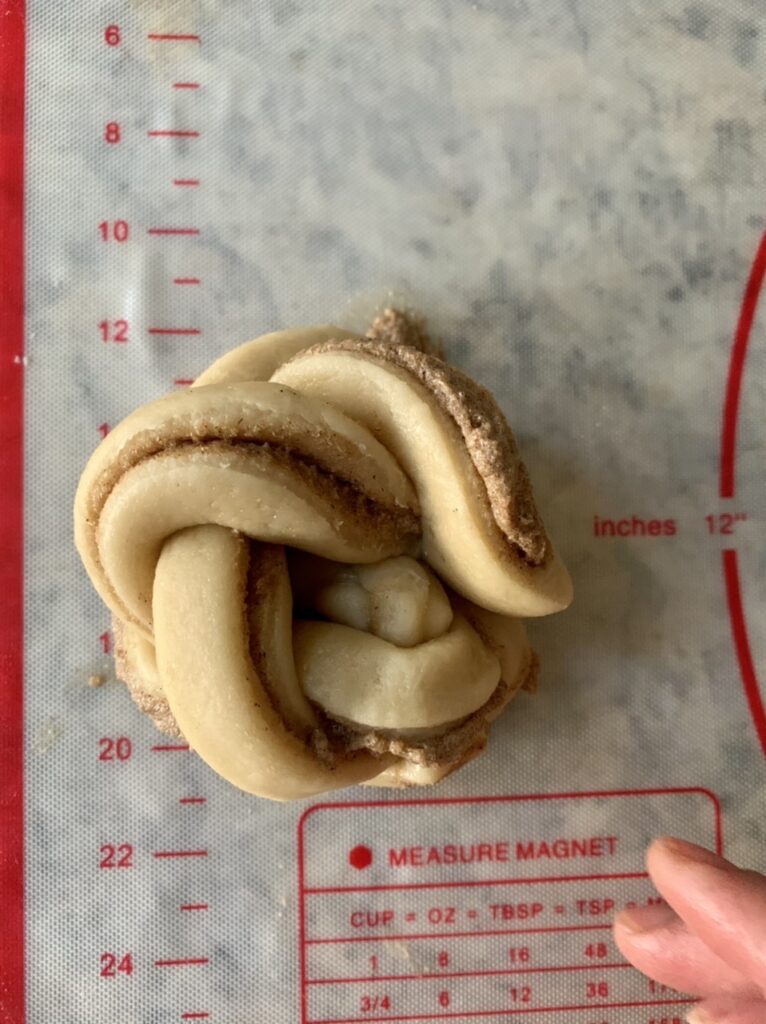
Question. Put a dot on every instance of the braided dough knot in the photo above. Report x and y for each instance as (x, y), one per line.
(315, 558)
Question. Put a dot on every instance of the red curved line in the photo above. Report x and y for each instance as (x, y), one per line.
(736, 368)
(742, 645)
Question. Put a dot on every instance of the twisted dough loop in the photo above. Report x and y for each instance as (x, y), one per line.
(233, 455)
(357, 451)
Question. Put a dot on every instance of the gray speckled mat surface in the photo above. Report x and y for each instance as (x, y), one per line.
(573, 192)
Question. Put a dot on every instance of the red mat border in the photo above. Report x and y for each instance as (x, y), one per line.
(12, 112)
(12, 118)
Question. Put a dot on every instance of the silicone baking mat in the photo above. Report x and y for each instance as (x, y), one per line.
(572, 191)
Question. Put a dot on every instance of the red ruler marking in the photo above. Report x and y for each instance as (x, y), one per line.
(302, 943)
(188, 961)
(468, 885)
(12, 106)
(199, 1015)
(618, 970)
(174, 330)
(172, 133)
(173, 37)
(186, 280)
(186, 85)
(460, 935)
(193, 800)
(523, 798)
(468, 974)
(164, 747)
(736, 369)
(186, 181)
(593, 1007)
(194, 906)
(742, 334)
(742, 645)
(172, 231)
(180, 853)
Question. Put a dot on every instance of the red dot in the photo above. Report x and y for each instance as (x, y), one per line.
(360, 857)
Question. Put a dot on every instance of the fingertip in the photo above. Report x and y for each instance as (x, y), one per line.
(623, 935)
(658, 847)
(699, 1015)
(681, 851)
(640, 920)
(626, 938)
(723, 905)
(647, 936)
(673, 956)
(661, 859)
(725, 1010)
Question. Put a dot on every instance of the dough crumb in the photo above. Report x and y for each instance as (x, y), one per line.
(394, 327)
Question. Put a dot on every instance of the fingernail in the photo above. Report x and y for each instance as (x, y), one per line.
(697, 1016)
(692, 852)
(647, 919)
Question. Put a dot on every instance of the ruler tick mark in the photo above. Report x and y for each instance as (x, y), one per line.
(186, 85)
(186, 280)
(174, 330)
(179, 853)
(192, 182)
(172, 231)
(192, 799)
(173, 37)
(194, 906)
(184, 962)
(161, 747)
(172, 133)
